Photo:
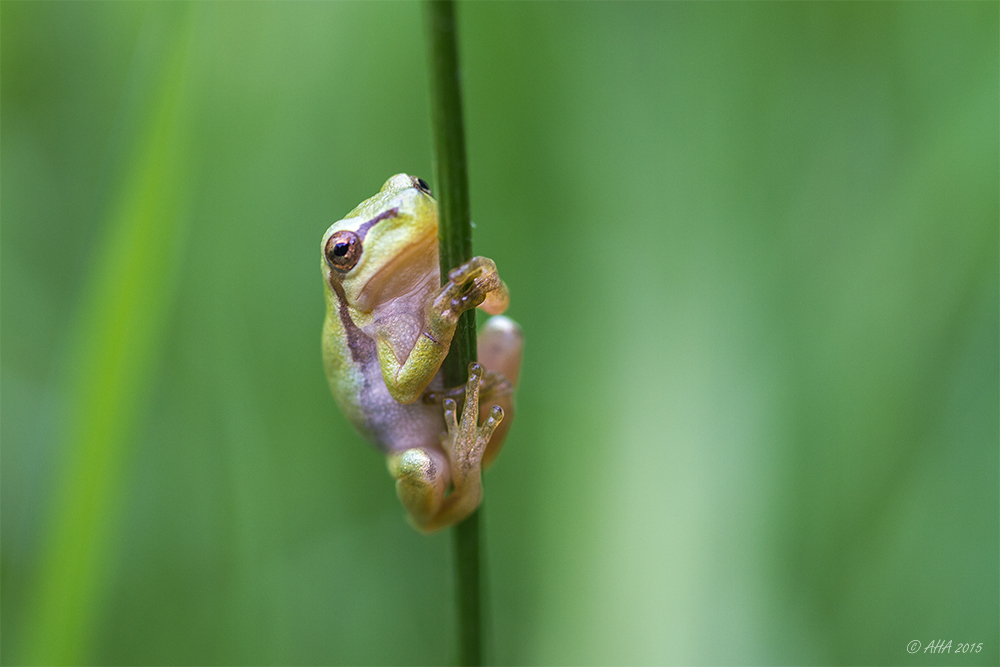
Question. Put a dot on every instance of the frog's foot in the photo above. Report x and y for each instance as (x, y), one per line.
(465, 440)
(464, 443)
(474, 283)
(500, 347)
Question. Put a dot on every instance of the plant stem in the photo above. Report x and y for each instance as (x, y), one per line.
(452, 187)
(455, 241)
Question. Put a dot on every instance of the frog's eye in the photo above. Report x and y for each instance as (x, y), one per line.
(343, 250)
(422, 185)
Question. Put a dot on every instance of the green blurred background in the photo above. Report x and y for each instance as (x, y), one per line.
(754, 249)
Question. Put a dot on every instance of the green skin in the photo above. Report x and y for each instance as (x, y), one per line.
(388, 327)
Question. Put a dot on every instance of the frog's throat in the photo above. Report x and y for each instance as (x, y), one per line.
(401, 274)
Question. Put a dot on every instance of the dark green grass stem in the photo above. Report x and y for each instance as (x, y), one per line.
(455, 240)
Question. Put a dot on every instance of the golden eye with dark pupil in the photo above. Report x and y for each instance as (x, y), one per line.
(343, 250)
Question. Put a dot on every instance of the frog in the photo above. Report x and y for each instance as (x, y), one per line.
(388, 327)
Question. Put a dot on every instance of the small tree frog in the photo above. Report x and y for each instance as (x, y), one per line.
(388, 326)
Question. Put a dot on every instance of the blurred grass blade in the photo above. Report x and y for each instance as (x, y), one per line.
(115, 343)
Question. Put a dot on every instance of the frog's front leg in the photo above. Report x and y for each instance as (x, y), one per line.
(474, 283)
(421, 478)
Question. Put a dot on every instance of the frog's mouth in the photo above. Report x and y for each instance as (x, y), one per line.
(401, 275)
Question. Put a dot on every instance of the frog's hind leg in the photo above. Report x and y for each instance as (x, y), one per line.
(500, 344)
(422, 474)
(422, 477)
(464, 442)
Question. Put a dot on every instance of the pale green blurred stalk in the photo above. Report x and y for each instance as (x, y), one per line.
(116, 339)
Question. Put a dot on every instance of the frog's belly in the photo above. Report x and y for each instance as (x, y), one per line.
(394, 427)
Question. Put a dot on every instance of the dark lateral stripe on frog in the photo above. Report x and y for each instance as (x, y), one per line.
(361, 346)
(363, 229)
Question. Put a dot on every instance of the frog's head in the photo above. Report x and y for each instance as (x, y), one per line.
(385, 247)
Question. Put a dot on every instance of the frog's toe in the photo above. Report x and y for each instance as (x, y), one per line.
(476, 373)
(471, 270)
(450, 416)
(485, 431)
